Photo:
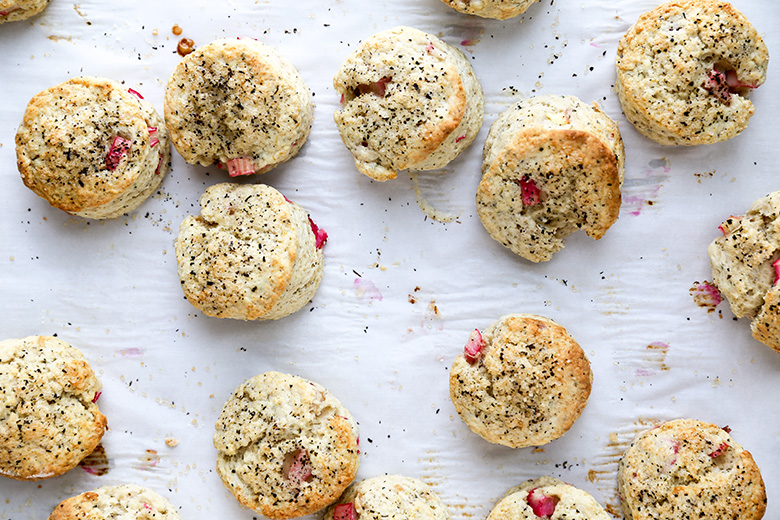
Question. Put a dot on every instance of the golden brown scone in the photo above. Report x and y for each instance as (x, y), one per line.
(49, 419)
(684, 71)
(689, 469)
(92, 147)
(409, 101)
(745, 267)
(15, 10)
(496, 9)
(522, 382)
(125, 502)
(251, 254)
(551, 165)
(287, 447)
(547, 497)
(389, 497)
(239, 103)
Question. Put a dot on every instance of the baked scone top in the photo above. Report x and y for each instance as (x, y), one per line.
(49, 419)
(287, 447)
(526, 385)
(689, 469)
(237, 98)
(409, 101)
(389, 497)
(15, 10)
(123, 502)
(496, 9)
(684, 70)
(250, 254)
(65, 141)
(547, 497)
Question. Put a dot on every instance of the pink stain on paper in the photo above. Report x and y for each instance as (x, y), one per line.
(131, 352)
(706, 295)
(148, 461)
(366, 289)
(639, 193)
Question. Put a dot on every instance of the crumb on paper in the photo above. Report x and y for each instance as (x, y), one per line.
(171, 442)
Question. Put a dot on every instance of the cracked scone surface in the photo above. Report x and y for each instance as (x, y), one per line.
(287, 447)
(409, 101)
(551, 165)
(530, 383)
(689, 469)
(250, 255)
(16, 10)
(237, 98)
(65, 139)
(496, 9)
(742, 262)
(549, 496)
(684, 71)
(48, 418)
(123, 502)
(391, 496)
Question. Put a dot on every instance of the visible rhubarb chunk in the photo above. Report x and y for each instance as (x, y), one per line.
(776, 265)
(723, 85)
(119, 148)
(717, 453)
(473, 349)
(9, 10)
(542, 505)
(378, 88)
(531, 194)
(320, 236)
(344, 512)
(297, 467)
(241, 166)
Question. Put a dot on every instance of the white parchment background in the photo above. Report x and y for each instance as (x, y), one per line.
(401, 291)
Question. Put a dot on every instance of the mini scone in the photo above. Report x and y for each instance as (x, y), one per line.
(547, 497)
(252, 254)
(496, 9)
(684, 70)
(745, 265)
(126, 501)
(551, 165)
(49, 419)
(523, 381)
(15, 10)
(287, 447)
(92, 147)
(408, 101)
(388, 497)
(689, 469)
(240, 104)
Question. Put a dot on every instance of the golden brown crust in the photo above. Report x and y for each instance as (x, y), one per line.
(50, 420)
(496, 9)
(123, 501)
(689, 469)
(431, 91)
(528, 388)
(269, 420)
(572, 153)
(663, 62)
(16, 10)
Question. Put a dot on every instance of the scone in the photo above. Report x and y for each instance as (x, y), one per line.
(127, 501)
(252, 254)
(49, 419)
(689, 469)
(547, 497)
(388, 497)
(497, 9)
(287, 447)
(521, 382)
(746, 267)
(238, 103)
(551, 165)
(15, 10)
(92, 147)
(408, 101)
(684, 71)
